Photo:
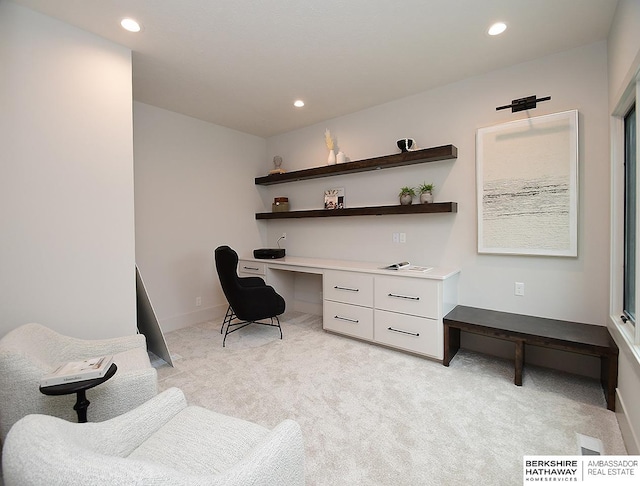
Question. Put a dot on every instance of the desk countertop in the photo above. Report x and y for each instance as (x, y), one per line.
(317, 265)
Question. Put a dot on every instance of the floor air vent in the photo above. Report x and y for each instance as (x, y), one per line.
(589, 446)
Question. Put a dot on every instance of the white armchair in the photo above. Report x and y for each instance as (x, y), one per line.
(32, 350)
(162, 442)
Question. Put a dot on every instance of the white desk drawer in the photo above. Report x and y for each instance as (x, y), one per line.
(255, 268)
(348, 287)
(415, 334)
(348, 319)
(407, 295)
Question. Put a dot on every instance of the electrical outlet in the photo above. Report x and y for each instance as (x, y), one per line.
(198, 301)
(519, 288)
(403, 237)
(396, 237)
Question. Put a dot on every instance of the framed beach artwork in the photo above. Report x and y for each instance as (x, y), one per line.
(527, 186)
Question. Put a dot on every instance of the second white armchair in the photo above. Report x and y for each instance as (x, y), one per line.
(162, 442)
(32, 350)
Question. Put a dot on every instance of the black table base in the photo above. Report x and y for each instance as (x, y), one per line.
(79, 388)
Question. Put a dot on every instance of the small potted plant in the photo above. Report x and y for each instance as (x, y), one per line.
(426, 193)
(406, 195)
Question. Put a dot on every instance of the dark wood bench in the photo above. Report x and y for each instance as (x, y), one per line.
(538, 331)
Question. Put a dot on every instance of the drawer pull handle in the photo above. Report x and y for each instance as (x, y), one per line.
(346, 319)
(409, 297)
(346, 288)
(251, 268)
(403, 332)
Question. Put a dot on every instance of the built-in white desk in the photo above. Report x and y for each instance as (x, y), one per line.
(398, 308)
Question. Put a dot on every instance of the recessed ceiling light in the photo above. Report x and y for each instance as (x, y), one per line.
(130, 25)
(298, 103)
(497, 28)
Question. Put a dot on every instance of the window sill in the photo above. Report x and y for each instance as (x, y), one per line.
(624, 335)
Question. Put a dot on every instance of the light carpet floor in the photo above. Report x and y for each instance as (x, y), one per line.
(376, 416)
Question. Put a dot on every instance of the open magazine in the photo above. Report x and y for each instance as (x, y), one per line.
(407, 266)
(398, 266)
(74, 371)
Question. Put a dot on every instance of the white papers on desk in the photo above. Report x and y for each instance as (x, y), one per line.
(416, 268)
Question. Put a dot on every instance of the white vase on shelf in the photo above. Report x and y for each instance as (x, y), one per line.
(406, 199)
(426, 197)
(332, 158)
(340, 158)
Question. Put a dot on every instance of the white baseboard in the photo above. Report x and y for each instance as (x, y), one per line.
(216, 313)
(629, 435)
(185, 320)
(308, 307)
(579, 364)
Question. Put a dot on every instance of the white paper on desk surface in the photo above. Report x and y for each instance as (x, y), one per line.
(416, 268)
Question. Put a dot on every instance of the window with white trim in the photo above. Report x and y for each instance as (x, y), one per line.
(630, 217)
(625, 214)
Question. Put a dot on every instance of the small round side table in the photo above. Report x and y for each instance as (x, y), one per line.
(79, 388)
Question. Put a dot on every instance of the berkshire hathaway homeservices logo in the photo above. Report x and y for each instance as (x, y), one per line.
(584, 470)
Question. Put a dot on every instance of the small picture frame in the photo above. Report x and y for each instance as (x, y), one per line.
(334, 198)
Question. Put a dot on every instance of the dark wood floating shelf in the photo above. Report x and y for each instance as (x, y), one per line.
(441, 207)
(433, 154)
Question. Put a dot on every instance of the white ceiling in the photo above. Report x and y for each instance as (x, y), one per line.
(242, 63)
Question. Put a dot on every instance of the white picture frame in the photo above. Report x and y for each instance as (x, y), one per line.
(527, 186)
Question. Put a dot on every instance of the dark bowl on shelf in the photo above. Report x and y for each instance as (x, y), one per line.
(405, 144)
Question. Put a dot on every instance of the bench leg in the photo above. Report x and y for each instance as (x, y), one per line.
(519, 362)
(451, 343)
(609, 379)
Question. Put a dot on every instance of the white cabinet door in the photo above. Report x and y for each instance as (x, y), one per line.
(408, 295)
(348, 319)
(348, 287)
(416, 334)
(246, 268)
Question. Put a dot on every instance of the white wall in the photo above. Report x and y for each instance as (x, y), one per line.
(194, 191)
(563, 288)
(624, 62)
(66, 178)
(623, 48)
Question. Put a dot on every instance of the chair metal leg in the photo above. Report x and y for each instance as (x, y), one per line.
(230, 316)
(278, 321)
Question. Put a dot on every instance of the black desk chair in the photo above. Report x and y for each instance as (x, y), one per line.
(250, 299)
